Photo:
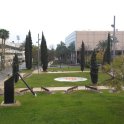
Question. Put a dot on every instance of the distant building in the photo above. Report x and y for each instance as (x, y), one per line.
(92, 38)
(10, 50)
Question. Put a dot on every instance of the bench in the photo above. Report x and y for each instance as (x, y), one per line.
(45, 90)
(71, 89)
(92, 88)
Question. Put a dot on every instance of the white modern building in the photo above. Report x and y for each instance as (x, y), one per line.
(92, 38)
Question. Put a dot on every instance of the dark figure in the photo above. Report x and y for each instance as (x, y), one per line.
(9, 91)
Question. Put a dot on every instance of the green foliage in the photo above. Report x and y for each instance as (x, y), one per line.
(116, 72)
(35, 54)
(82, 61)
(70, 52)
(106, 68)
(107, 54)
(51, 55)
(94, 68)
(102, 45)
(4, 34)
(61, 52)
(44, 54)
(28, 51)
(99, 57)
(71, 47)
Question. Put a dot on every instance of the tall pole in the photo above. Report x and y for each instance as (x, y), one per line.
(2, 56)
(38, 53)
(114, 38)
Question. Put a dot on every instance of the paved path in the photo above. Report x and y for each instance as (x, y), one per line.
(40, 71)
(52, 89)
(38, 89)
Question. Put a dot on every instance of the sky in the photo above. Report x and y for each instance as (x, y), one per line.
(58, 18)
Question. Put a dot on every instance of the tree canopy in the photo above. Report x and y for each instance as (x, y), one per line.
(82, 61)
(107, 54)
(4, 34)
(94, 68)
(28, 51)
(44, 54)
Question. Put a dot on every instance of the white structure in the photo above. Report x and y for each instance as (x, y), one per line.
(92, 38)
(10, 49)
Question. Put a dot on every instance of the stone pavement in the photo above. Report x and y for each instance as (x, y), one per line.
(40, 71)
(52, 89)
(38, 89)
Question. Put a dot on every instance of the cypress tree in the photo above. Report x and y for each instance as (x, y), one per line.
(28, 51)
(44, 54)
(15, 68)
(94, 68)
(82, 61)
(107, 54)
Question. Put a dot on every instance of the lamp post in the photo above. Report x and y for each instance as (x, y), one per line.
(38, 52)
(113, 25)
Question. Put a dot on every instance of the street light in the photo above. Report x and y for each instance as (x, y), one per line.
(38, 52)
(113, 25)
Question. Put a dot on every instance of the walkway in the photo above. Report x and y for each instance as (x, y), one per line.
(52, 89)
(38, 89)
(36, 71)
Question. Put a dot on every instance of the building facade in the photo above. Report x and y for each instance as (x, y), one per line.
(92, 38)
(10, 50)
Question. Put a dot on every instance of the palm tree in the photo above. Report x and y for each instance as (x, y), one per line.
(4, 34)
(102, 45)
(61, 52)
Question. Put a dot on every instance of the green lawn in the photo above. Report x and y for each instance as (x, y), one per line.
(80, 107)
(47, 79)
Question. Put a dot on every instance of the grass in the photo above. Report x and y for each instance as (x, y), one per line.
(81, 107)
(26, 71)
(47, 79)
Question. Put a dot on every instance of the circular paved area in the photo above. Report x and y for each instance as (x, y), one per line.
(70, 79)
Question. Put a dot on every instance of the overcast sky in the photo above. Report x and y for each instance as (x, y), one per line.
(58, 18)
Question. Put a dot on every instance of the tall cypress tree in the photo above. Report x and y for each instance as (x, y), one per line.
(28, 51)
(44, 54)
(94, 68)
(15, 68)
(82, 61)
(107, 54)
